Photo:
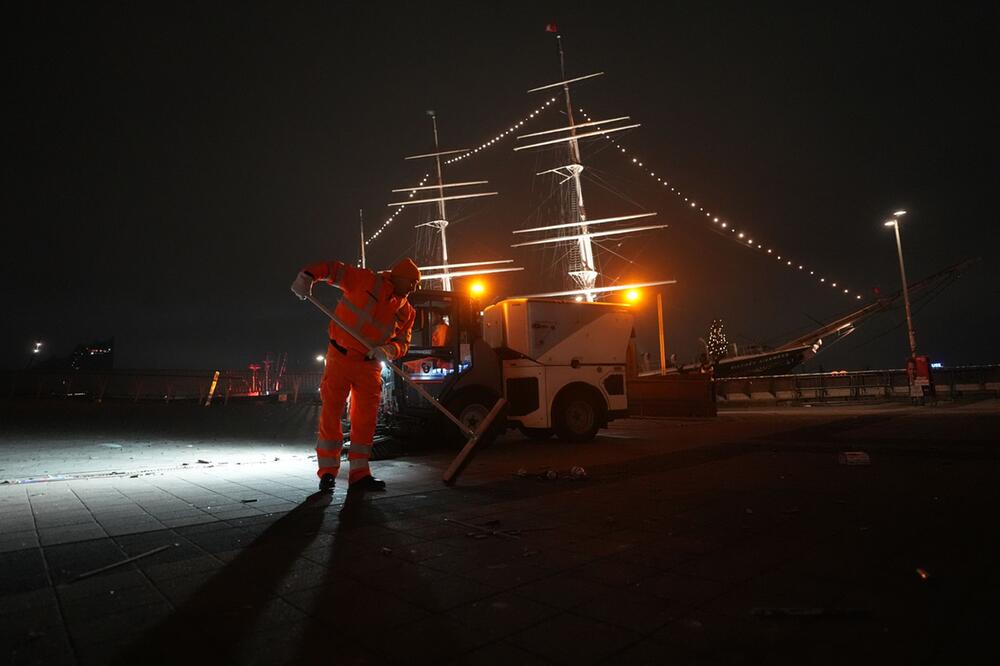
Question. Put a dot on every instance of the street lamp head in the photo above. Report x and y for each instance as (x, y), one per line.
(890, 223)
(899, 213)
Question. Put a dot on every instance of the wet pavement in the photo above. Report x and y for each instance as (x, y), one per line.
(168, 533)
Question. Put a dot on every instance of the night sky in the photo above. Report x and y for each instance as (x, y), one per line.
(170, 167)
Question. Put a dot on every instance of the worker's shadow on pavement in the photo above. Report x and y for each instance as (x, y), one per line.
(342, 609)
(212, 625)
(377, 605)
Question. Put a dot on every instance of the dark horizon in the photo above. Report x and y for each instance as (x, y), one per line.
(171, 171)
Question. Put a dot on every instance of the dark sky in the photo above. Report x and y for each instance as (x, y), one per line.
(169, 168)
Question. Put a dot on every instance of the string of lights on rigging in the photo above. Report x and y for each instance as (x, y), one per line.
(744, 237)
(483, 146)
(501, 135)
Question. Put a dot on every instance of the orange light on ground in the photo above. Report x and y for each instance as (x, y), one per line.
(632, 295)
(477, 288)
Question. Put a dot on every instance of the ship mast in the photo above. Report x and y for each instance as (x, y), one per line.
(442, 222)
(586, 274)
(443, 271)
(361, 222)
(582, 267)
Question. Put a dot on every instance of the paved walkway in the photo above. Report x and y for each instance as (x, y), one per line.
(739, 540)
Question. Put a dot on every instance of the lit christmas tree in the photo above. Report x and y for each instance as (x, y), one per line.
(717, 344)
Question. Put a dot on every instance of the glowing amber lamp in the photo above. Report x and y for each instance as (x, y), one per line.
(477, 288)
(632, 295)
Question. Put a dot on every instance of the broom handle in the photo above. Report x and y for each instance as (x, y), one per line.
(402, 375)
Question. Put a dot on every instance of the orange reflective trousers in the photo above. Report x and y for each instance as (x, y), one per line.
(347, 374)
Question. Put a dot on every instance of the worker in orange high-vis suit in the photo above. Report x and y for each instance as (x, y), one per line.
(376, 306)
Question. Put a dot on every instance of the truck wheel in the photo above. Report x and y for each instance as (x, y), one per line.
(536, 433)
(577, 416)
(471, 407)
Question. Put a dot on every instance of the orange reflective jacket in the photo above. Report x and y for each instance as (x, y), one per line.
(369, 306)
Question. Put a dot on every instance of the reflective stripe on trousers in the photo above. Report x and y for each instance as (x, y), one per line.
(328, 456)
(358, 451)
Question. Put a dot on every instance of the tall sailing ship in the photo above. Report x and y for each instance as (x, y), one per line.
(578, 239)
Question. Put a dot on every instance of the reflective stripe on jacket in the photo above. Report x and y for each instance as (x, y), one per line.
(369, 306)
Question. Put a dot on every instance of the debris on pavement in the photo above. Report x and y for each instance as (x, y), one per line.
(808, 612)
(92, 572)
(522, 530)
(575, 473)
(482, 532)
(248, 501)
(853, 458)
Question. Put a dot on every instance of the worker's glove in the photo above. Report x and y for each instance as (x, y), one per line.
(385, 353)
(302, 287)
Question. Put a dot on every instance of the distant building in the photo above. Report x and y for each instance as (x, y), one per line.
(97, 355)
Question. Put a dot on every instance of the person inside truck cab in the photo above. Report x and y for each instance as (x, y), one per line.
(440, 333)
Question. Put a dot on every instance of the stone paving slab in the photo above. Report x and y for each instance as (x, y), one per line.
(687, 544)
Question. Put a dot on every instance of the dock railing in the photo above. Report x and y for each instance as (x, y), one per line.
(147, 385)
(169, 385)
(853, 386)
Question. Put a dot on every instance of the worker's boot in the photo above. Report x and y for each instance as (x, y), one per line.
(327, 482)
(367, 483)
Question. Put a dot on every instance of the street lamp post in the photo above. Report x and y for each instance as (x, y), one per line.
(894, 223)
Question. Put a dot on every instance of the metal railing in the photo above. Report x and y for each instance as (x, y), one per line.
(972, 380)
(168, 385)
(146, 385)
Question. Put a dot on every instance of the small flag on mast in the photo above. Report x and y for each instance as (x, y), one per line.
(551, 27)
